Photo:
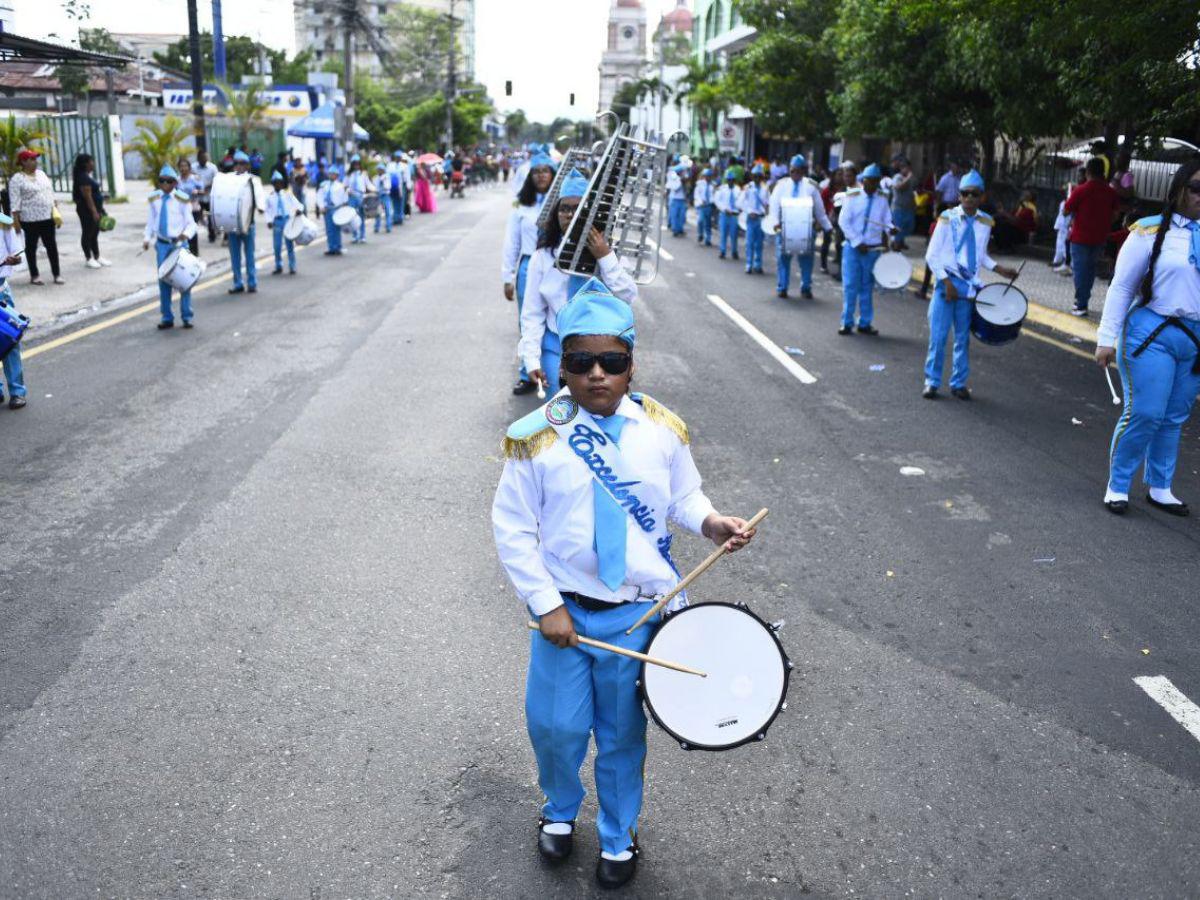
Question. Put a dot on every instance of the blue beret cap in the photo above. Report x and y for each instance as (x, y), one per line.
(277, 176)
(872, 171)
(971, 180)
(574, 185)
(168, 171)
(730, 175)
(241, 157)
(542, 159)
(798, 161)
(594, 310)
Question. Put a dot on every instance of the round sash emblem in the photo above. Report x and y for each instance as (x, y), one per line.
(561, 410)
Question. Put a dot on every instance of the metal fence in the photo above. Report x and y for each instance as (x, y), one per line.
(268, 141)
(68, 137)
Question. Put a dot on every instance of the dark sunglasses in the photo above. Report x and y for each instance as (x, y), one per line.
(1194, 187)
(970, 193)
(580, 363)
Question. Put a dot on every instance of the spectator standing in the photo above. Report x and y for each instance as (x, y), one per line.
(89, 206)
(206, 171)
(947, 188)
(35, 215)
(1092, 205)
(904, 201)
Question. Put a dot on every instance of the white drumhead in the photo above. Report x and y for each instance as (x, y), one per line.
(164, 270)
(746, 683)
(232, 202)
(293, 227)
(892, 271)
(1001, 304)
(344, 215)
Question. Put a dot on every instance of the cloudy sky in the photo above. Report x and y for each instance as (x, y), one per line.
(516, 40)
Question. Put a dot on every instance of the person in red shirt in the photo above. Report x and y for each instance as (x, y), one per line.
(1093, 205)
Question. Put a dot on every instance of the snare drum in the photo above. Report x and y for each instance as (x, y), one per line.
(746, 684)
(181, 269)
(345, 218)
(370, 205)
(997, 313)
(232, 202)
(892, 271)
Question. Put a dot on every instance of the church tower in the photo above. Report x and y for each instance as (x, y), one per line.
(625, 56)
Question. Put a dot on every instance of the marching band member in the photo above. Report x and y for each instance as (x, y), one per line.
(702, 199)
(676, 200)
(547, 290)
(956, 250)
(383, 188)
(330, 197)
(1151, 328)
(797, 185)
(520, 242)
(864, 219)
(728, 203)
(240, 244)
(395, 171)
(756, 200)
(357, 185)
(282, 207)
(566, 546)
(12, 245)
(169, 224)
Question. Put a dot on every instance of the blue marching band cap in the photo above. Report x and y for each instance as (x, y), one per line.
(706, 172)
(277, 176)
(798, 161)
(594, 310)
(355, 158)
(541, 159)
(168, 171)
(757, 170)
(241, 157)
(971, 180)
(574, 185)
(872, 171)
(730, 175)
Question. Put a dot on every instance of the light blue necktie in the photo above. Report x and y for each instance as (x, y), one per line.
(1194, 256)
(968, 239)
(610, 519)
(162, 217)
(795, 189)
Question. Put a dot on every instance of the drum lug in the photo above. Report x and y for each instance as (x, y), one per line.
(761, 736)
(776, 626)
(790, 665)
(741, 605)
(783, 706)
(683, 745)
(638, 683)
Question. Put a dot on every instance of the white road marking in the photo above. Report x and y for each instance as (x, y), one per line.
(801, 373)
(664, 254)
(1166, 695)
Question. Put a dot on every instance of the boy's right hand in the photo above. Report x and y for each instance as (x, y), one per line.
(559, 628)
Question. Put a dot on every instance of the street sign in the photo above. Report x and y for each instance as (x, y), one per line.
(727, 137)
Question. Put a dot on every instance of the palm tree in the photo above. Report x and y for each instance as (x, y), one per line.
(159, 143)
(247, 108)
(13, 139)
(708, 101)
(696, 74)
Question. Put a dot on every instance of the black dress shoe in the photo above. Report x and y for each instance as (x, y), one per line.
(806, 293)
(782, 294)
(610, 874)
(867, 329)
(961, 393)
(1117, 507)
(187, 323)
(16, 402)
(1175, 509)
(735, 256)
(252, 290)
(845, 329)
(523, 387)
(277, 271)
(930, 392)
(555, 847)
(237, 290)
(163, 326)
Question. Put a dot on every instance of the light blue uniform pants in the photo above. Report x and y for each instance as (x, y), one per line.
(14, 372)
(944, 314)
(1160, 389)
(384, 216)
(522, 269)
(360, 233)
(574, 693)
(162, 249)
(243, 245)
(333, 234)
(858, 284)
(754, 243)
(280, 241)
(677, 215)
(729, 232)
(704, 224)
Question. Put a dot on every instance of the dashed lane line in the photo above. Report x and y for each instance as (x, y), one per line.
(801, 374)
(664, 254)
(1170, 698)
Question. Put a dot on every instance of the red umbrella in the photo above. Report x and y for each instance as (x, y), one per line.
(429, 159)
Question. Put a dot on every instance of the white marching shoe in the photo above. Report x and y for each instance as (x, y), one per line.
(92, 264)
(104, 262)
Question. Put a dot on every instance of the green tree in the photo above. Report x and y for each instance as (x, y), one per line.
(248, 107)
(159, 142)
(422, 125)
(515, 124)
(241, 59)
(98, 40)
(418, 40)
(376, 110)
(709, 102)
(13, 139)
(675, 49)
(73, 79)
(294, 70)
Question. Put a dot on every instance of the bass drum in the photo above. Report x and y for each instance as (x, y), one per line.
(796, 225)
(232, 202)
(892, 271)
(997, 314)
(370, 206)
(746, 684)
(300, 229)
(181, 269)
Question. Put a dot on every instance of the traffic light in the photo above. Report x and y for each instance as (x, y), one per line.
(508, 89)
(572, 99)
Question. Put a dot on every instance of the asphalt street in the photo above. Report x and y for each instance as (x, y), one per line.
(255, 642)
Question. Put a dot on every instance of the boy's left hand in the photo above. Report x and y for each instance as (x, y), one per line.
(731, 531)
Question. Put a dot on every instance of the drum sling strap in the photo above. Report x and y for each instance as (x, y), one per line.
(1178, 323)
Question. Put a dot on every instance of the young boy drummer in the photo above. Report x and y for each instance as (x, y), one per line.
(575, 558)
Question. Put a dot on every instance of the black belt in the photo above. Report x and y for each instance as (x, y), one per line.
(591, 604)
(1178, 323)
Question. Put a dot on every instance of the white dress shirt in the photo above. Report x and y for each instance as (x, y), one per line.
(357, 183)
(180, 223)
(729, 198)
(332, 195)
(703, 193)
(1176, 287)
(544, 520)
(10, 243)
(857, 225)
(675, 189)
(946, 254)
(756, 199)
(520, 238)
(546, 294)
(282, 203)
(787, 188)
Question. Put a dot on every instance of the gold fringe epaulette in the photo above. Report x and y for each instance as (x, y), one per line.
(528, 448)
(659, 414)
(1148, 228)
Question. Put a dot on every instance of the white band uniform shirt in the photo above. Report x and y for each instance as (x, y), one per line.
(703, 193)
(787, 188)
(520, 238)
(282, 204)
(948, 253)
(546, 295)
(728, 199)
(865, 218)
(10, 243)
(180, 224)
(756, 199)
(675, 188)
(332, 195)
(357, 183)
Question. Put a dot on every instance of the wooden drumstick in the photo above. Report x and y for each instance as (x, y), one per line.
(632, 654)
(693, 575)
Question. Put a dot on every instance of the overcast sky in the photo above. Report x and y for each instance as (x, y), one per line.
(517, 40)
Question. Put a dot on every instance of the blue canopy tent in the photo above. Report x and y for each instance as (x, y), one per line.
(319, 124)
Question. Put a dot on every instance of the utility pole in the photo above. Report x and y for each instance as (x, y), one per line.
(451, 81)
(198, 131)
(218, 42)
(349, 23)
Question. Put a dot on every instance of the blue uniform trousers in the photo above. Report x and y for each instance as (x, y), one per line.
(704, 224)
(754, 244)
(384, 216)
(239, 245)
(522, 270)
(397, 198)
(574, 693)
(858, 284)
(783, 267)
(943, 314)
(729, 231)
(333, 234)
(162, 249)
(278, 240)
(677, 215)
(1160, 389)
(14, 372)
(360, 233)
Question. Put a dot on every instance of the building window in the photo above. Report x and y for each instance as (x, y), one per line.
(627, 33)
(382, 7)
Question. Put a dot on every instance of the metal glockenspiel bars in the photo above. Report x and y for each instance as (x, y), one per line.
(575, 158)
